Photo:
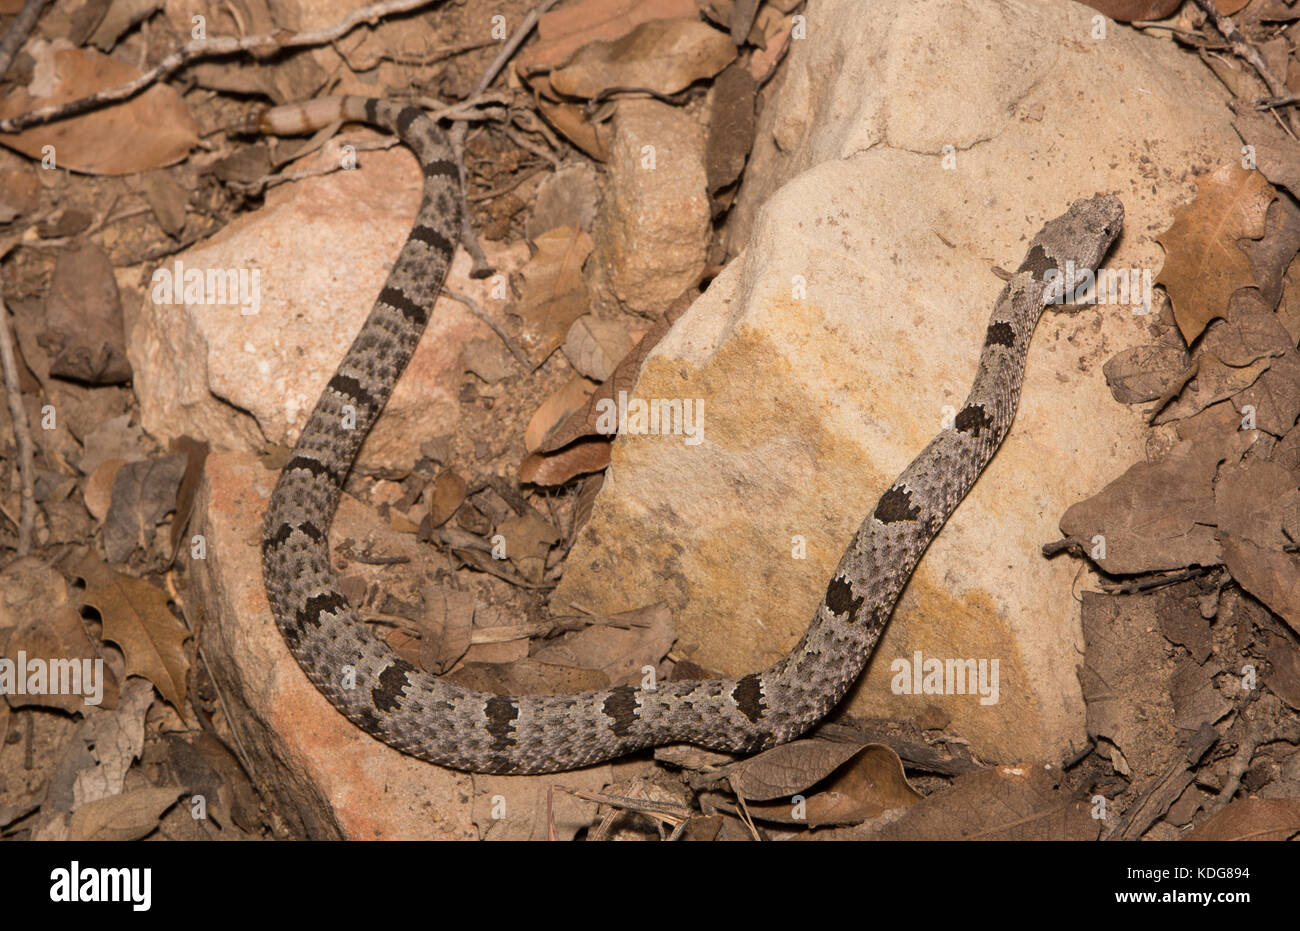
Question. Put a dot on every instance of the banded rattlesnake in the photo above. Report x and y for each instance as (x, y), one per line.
(436, 721)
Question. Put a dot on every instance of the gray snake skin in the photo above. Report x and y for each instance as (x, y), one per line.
(431, 719)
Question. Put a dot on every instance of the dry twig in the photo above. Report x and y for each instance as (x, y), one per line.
(18, 32)
(22, 434)
(206, 48)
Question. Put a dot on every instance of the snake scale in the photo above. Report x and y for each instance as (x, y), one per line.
(399, 704)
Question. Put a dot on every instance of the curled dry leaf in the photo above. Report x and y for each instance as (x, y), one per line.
(553, 292)
(143, 494)
(1274, 396)
(445, 628)
(137, 619)
(448, 495)
(862, 781)
(1203, 263)
(151, 130)
(583, 423)
(98, 490)
(557, 468)
(594, 347)
(571, 120)
(528, 539)
(1208, 381)
(571, 397)
(662, 55)
(564, 30)
(790, 768)
(621, 646)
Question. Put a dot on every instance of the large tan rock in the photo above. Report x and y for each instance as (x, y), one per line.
(830, 352)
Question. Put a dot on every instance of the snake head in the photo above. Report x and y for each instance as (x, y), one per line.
(1081, 236)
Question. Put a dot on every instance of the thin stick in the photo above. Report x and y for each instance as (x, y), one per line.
(205, 48)
(1242, 47)
(477, 311)
(482, 268)
(18, 32)
(22, 434)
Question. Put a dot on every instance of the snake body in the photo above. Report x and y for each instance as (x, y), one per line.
(401, 705)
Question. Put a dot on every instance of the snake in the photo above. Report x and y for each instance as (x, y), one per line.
(432, 719)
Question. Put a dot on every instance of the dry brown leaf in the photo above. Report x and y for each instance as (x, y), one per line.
(571, 397)
(98, 490)
(117, 737)
(1125, 11)
(83, 314)
(582, 508)
(151, 130)
(527, 676)
(557, 468)
(137, 619)
(869, 784)
(1268, 574)
(1275, 154)
(446, 628)
(1156, 516)
(1203, 263)
(1022, 802)
(1252, 500)
(448, 495)
(43, 625)
(594, 347)
(1252, 819)
(661, 55)
(122, 817)
(790, 768)
(562, 31)
(583, 423)
(528, 539)
(196, 457)
(1208, 381)
(1275, 395)
(620, 646)
(571, 120)
(1144, 373)
(143, 494)
(553, 293)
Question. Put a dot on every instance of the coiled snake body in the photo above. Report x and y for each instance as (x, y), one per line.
(434, 720)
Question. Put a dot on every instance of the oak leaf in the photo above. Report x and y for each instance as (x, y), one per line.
(137, 619)
(1203, 263)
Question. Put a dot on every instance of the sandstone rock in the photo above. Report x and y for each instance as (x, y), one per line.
(308, 267)
(829, 353)
(652, 233)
